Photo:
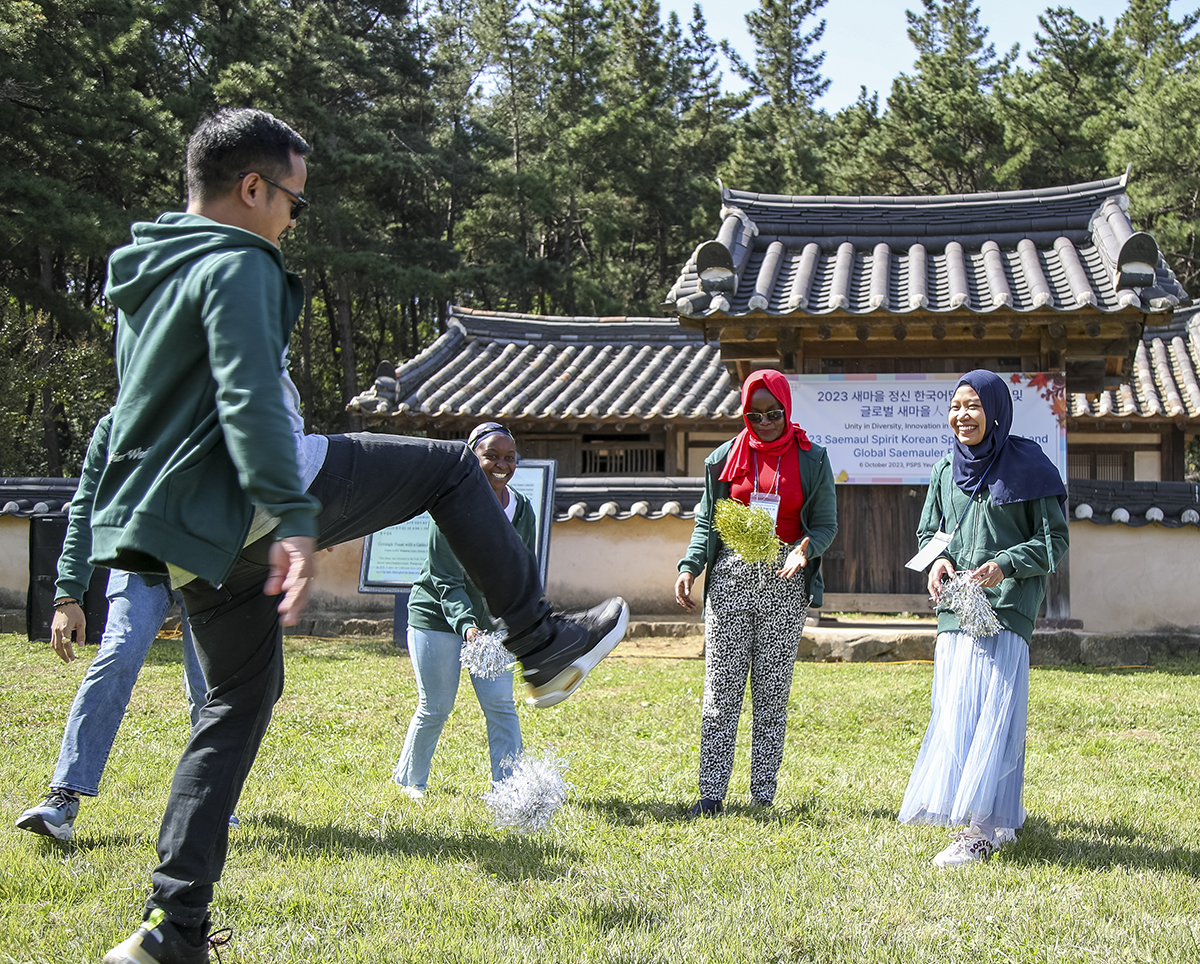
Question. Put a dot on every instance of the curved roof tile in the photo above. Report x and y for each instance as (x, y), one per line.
(1166, 376)
(1056, 248)
(505, 365)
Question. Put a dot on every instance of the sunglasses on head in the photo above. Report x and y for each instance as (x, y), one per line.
(775, 415)
(299, 201)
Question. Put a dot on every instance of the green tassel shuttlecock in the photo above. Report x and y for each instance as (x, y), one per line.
(748, 532)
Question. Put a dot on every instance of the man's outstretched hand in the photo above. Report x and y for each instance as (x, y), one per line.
(68, 619)
(293, 568)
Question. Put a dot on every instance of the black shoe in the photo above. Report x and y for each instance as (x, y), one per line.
(53, 818)
(578, 641)
(158, 941)
(706, 808)
(760, 802)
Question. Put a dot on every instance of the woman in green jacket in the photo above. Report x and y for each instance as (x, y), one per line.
(1000, 500)
(754, 613)
(444, 609)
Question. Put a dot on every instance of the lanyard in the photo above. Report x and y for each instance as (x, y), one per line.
(974, 492)
(778, 462)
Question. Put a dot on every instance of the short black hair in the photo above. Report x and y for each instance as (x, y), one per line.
(238, 140)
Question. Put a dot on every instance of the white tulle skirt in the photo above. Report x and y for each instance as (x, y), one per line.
(972, 760)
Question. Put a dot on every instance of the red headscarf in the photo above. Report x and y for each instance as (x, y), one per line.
(737, 466)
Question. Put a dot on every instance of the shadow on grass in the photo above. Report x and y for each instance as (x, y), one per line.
(617, 810)
(1098, 846)
(509, 856)
(1101, 846)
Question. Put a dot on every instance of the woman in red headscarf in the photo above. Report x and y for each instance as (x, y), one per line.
(754, 613)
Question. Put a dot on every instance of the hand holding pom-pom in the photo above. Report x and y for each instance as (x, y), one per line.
(484, 655)
(527, 798)
(748, 532)
(963, 596)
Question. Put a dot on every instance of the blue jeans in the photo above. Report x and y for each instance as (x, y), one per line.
(135, 615)
(437, 667)
(367, 483)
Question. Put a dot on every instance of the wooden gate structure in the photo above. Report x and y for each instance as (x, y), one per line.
(1049, 280)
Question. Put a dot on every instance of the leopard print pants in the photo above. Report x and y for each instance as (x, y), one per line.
(753, 620)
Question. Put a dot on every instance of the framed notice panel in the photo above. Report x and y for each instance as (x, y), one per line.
(892, 429)
(393, 558)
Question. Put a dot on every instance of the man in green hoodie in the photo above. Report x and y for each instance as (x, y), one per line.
(206, 483)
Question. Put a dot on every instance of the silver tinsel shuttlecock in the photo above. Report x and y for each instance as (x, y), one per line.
(529, 796)
(485, 656)
(966, 599)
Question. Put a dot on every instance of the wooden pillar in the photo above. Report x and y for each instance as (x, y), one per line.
(785, 348)
(671, 453)
(1172, 453)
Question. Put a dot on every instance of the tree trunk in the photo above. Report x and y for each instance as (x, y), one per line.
(306, 382)
(345, 323)
(45, 367)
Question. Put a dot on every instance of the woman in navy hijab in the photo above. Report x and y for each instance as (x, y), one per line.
(1001, 501)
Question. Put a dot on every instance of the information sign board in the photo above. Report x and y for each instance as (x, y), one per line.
(393, 558)
(892, 429)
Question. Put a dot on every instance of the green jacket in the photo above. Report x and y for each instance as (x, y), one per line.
(444, 599)
(818, 515)
(199, 432)
(74, 570)
(1026, 539)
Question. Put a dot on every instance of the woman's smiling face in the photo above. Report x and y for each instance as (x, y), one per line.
(968, 421)
(497, 456)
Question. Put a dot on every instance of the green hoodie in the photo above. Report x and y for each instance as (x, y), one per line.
(199, 431)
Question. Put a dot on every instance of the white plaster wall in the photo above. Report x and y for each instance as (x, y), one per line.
(634, 558)
(589, 561)
(14, 561)
(1125, 578)
(336, 587)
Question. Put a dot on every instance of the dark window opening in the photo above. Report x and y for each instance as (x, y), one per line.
(634, 454)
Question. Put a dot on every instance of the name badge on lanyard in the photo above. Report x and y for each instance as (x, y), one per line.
(932, 550)
(768, 502)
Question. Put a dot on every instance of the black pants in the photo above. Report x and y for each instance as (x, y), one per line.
(367, 483)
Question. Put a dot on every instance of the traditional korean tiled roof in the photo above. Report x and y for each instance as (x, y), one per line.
(23, 497)
(591, 499)
(512, 366)
(1166, 382)
(1061, 249)
(1170, 504)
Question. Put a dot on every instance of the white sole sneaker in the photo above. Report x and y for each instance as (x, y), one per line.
(568, 680)
(967, 847)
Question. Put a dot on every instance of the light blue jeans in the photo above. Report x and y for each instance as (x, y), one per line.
(135, 615)
(437, 667)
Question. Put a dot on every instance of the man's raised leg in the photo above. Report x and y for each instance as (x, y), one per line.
(370, 482)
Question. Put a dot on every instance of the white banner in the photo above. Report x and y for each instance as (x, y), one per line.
(892, 429)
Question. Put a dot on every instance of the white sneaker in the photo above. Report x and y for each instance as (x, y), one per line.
(413, 793)
(1005, 835)
(968, 847)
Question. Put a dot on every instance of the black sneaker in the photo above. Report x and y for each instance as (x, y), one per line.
(158, 941)
(706, 808)
(54, 818)
(579, 641)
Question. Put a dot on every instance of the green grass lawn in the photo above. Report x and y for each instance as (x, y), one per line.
(332, 864)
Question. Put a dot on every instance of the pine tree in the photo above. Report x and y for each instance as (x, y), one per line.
(1058, 116)
(940, 134)
(1158, 133)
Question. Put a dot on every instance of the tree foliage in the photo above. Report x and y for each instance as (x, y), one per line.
(552, 156)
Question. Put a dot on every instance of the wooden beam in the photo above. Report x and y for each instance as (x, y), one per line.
(913, 347)
(876, 602)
